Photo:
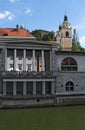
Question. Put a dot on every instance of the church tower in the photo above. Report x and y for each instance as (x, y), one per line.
(64, 35)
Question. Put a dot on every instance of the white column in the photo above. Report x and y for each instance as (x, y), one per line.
(15, 52)
(43, 88)
(43, 61)
(14, 88)
(4, 88)
(34, 87)
(33, 61)
(51, 61)
(24, 88)
(52, 88)
(24, 60)
(6, 65)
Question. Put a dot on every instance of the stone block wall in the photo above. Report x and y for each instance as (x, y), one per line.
(78, 79)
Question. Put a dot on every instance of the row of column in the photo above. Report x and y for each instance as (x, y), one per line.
(24, 59)
(25, 88)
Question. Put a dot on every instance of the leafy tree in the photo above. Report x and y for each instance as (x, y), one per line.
(75, 42)
(48, 37)
(45, 37)
(51, 36)
(60, 47)
(37, 35)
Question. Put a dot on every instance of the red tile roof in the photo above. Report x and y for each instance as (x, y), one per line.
(15, 32)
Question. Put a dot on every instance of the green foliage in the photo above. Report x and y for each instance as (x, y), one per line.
(37, 35)
(45, 37)
(75, 42)
(48, 37)
(60, 47)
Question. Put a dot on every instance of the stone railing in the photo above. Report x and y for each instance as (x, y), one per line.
(26, 74)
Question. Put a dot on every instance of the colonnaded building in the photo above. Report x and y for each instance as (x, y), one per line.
(35, 73)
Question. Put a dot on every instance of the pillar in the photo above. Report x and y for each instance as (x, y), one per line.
(24, 60)
(4, 88)
(43, 88)
(51, 61)
(33, 61)
(24, 88)
(43, 59)
(6, 65)
(14, 59)
(34, 87)
(14, 88)
(52, 88)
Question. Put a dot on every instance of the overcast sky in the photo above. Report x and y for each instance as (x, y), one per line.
(43, 14)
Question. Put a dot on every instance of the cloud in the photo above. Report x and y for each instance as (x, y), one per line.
(82, 41)
(12, 1)
(80, 27)
(28, 11)
(7, 14)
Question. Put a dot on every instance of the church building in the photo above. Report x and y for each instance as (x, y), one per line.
(64, 35)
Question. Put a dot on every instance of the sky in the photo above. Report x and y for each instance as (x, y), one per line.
(43, 14)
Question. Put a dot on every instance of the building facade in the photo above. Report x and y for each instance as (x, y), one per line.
(26, 72)
(35, 73)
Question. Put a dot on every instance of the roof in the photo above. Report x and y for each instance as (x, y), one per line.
(15, 32)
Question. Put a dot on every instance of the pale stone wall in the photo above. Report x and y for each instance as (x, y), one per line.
(77, 77)
(78, 80)
(80, 59)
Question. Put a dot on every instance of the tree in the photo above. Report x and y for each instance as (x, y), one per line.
(75, 42)
(45, 37)
(48, 37)
(37, 35)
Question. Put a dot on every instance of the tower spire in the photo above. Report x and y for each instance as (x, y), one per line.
(65, 17)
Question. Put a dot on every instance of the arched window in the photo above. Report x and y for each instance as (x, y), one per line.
(69, 64)
(69, 86)
(67, 34)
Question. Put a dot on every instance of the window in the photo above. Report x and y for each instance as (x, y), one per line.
(11, 57)
(19, 58)
(11, 65)
(69, 86)
(29, 67)
(29, 58)
(20, 66)
(69, 64)
(67, 34)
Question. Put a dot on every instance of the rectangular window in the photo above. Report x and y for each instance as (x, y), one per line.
(29, 67)
(19, 58)
(11, 57)
(11, 65)
(29, 58)
(20, 66)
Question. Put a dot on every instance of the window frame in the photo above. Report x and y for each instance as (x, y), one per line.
(69, 64)
(69, 87)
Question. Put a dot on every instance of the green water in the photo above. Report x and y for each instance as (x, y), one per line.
(57, 118)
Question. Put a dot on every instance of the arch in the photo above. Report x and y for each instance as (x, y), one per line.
(67, 34)
(69, 64)
(69, 86)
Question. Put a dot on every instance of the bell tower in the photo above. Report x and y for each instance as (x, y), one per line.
(64, 35)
